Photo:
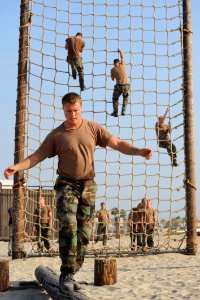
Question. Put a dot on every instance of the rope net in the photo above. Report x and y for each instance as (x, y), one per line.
(150, 37)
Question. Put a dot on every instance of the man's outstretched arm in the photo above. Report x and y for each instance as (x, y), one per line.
(121, 56)
(25, 164)
(128, 149)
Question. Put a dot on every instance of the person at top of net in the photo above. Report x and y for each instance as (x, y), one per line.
(162, 132)
(74, 143)
(75, 45)
(122, 86)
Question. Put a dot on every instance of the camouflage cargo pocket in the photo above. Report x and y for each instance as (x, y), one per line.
(67, 203)
(89, 193)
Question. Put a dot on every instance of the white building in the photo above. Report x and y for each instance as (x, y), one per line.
(6, 184)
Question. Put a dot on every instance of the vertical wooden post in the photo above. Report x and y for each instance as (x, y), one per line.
(18, 189)
(190, 181)
(4, 275)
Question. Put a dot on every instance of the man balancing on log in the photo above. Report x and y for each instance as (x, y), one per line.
(74, 143)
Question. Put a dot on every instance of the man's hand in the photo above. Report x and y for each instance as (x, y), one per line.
(26, 163)
(10, 171)
(147, 153)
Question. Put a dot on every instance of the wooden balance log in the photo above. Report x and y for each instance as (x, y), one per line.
(50, 282)
(105, 271)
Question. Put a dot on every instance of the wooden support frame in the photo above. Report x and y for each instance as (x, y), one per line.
(188, 107)
(18, 189)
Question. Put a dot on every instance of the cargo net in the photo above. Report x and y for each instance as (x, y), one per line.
(149, 33)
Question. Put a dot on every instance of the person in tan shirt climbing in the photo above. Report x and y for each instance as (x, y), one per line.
(163, 140)
(119, 73)
(75, 45)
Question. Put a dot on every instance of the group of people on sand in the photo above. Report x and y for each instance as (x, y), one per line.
(142, 223)
(74, 142)
(42, 225)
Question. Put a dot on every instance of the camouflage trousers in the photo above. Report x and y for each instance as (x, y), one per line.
(171, 149)
(118, 90)
(150, 242)
(77, 65)
(137, 237)
(75, 212)
(43, 236)
(102, 230)
(143, 239)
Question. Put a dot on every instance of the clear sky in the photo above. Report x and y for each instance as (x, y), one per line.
(9, 33)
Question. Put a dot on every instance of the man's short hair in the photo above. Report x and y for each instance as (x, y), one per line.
(116, 60)
(71, 98)
(39, 198)
(79, 34)
(102, 203)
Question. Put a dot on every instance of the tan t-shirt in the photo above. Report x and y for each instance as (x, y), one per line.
(134, 215)
(75, 46)
(103, 215)
(162, 132)
(75, 148)
(42, 215)
(120, 74)
(150, 216)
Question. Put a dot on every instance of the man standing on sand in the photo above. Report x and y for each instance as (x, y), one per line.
(75, 45)
(103, 219)
(74, 141)
(150, 222)
(42, 220)
(133, 224)
(122, 86)
(11, 211)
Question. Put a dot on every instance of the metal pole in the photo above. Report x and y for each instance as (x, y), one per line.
(190, 180)
(18, 188)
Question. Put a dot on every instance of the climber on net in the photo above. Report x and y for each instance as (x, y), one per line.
(122, 86)
(75, 45)
(162, 131)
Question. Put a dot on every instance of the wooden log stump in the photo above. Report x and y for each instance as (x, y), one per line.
(105, 271)
(50, 282)
(4, 275)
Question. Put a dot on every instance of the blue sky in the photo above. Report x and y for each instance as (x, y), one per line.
(9, 21)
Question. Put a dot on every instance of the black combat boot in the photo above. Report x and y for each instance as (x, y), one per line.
(114, 114)
(83, 88)
(68, 282)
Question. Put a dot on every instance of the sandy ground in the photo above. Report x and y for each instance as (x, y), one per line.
(161, 276)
